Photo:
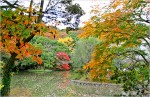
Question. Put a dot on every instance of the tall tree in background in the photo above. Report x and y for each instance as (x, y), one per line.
(124, 51)
(56, 11)
(19, 25)
(63, 12)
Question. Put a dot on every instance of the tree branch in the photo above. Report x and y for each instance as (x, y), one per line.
(136, 52)
(11, 5)
(40, 12)
(146, 42)
(30, 8)
(39, 20)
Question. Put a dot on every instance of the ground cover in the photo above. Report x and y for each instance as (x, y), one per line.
(55, 83)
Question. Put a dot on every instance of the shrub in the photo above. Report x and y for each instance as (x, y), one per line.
(79, 74)
(83, 50)
(68, 41)
(62, 61)
(62, 67)
(73, 36)
(49, 49)
(62, 56)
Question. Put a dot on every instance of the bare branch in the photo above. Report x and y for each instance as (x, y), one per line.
(136, 52)
(30, 8)
(40, 12)
(11, 5)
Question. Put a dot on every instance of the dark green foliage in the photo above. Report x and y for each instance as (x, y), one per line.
(75, 9)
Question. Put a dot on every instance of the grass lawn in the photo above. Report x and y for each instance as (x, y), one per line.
(54, 84)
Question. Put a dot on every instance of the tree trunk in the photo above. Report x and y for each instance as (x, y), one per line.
(6, 80)
(40, 11)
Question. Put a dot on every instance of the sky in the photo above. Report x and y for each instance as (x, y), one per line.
(86, 6)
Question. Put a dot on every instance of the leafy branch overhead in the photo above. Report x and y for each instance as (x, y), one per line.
(57, 12)
(20, 24)
(124, 31)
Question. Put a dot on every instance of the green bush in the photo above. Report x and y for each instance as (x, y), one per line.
(73, 36)
(83, 51)
(79, 74)
(49, 49)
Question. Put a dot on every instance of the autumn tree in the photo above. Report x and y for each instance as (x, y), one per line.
(124, 31)
(18, 26)
(17, 30)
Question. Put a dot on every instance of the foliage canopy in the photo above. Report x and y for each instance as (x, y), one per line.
(124, 32)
